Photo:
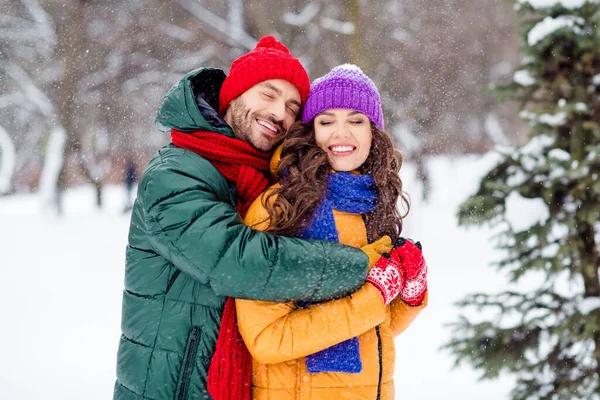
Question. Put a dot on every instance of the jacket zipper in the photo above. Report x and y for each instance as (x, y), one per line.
(380, 351)
(185, 380)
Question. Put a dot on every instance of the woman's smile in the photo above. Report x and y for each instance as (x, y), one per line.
(341, 150)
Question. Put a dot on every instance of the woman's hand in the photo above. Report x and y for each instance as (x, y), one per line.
(377, 248)
(413, 268)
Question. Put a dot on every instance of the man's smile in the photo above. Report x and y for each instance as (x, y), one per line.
(268, 127)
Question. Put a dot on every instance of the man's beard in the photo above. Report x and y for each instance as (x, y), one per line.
(242, 122)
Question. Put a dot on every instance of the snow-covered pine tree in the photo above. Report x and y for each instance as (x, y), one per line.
(545, 330)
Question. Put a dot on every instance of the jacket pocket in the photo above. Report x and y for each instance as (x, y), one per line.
(188, 363)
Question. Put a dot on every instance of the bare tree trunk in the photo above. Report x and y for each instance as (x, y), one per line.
(7, 161)
(98, 186)
(235, 17)
(53, 164)
(356, 50)
(94, 179)
(70, 49)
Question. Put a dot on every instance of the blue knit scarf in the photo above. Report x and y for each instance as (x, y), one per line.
(354, 194)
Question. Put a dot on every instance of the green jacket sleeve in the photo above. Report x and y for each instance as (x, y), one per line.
(191, 222)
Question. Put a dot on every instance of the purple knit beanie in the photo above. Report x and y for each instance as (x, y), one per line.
(345, 86)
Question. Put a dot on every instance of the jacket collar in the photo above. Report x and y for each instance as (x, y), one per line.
(192, 103)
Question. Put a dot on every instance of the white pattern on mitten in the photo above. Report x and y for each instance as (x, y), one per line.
(414, 289)
(385, 276)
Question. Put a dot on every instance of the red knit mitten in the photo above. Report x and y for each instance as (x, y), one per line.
(414, 270)
(386, 277)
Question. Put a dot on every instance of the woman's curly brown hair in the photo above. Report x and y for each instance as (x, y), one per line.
(302, 174)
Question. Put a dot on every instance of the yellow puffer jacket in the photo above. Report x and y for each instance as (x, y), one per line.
(280, 335)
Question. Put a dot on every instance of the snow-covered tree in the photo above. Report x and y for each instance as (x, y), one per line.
(544, 199)
(7, 161)
(97, 71)
(80, 82)
(429, 64)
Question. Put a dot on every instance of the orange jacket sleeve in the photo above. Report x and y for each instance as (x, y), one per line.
(278, 332)
(402, 315)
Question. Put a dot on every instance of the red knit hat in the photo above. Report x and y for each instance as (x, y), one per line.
(270, 59)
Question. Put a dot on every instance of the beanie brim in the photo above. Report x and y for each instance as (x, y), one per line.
(343, 97)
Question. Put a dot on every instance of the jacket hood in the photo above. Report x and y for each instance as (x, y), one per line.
(192, 104)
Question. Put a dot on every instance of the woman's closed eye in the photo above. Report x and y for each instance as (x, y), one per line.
(325, 123)
(357, 121)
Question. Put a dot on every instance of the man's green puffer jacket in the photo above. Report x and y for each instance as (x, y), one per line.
(188, 250)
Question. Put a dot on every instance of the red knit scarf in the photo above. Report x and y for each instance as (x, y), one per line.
(230, 371)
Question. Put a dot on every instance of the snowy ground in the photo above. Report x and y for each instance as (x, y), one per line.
(60, 292)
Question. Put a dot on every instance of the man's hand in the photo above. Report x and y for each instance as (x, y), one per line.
(413, 268)
(377, 248)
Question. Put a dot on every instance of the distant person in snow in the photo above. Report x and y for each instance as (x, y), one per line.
(189, 250)
(130, 180)
(338, 181)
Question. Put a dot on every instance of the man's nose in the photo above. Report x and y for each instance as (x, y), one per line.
(278, 111)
